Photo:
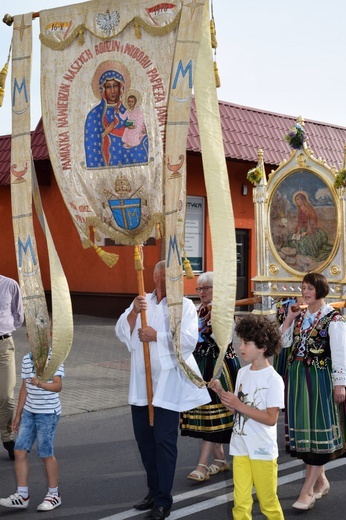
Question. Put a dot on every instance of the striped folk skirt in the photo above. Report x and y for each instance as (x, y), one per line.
(280, 361)
(212, 422)
(314, 423)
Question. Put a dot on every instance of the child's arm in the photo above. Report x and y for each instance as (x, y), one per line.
(268, 417)
(20, 406)
(55, 386)
(216, 386)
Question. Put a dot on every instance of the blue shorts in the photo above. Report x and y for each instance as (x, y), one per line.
(40, 426)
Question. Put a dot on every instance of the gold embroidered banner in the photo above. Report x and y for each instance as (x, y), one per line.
(116, 92)
(116, 89)
(35, 307)
(183, 68)
(220, 209)
(216, 179)
(104, 99)
(62, 322)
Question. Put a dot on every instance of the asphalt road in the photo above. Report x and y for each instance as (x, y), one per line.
(101, 476)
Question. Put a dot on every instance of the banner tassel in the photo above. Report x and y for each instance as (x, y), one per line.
(109, 258)
(214, 46)
(213, 34)
(138, 259)
(187, 268)
(138, 30)
(217, 77)
(81, 37)
(158, 234)
(3, 76)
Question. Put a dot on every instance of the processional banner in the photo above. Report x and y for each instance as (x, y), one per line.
(24, 189)
(116, 87)
(106, 72)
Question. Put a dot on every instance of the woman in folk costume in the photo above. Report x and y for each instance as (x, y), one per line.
(105, 125)
(315, 386)
(212, 423)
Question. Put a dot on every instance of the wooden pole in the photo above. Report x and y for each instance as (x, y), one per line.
(8, 19)
(140, 283)
(248, 301)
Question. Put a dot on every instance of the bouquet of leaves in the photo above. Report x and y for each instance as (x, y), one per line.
(340, 179)
(296, 137)
(254, 175)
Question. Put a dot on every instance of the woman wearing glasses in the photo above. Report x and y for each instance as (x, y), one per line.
(213, 422)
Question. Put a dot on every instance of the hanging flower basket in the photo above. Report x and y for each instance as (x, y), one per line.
(296, 137)
(340, 179)
(254, 175)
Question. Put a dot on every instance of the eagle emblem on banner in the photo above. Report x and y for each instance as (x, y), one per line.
(108, 21)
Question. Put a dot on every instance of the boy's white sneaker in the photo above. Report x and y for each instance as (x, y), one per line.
(50, 502)
(16, 501)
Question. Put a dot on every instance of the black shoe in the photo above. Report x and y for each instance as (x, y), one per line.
(146, 503)
(9, 446)
(158, 513)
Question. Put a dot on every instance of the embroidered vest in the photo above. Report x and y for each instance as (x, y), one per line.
(317, 347)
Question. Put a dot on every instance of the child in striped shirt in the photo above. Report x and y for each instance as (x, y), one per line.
(37, 416)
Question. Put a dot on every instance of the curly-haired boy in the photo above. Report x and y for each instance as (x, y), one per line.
(257, 399)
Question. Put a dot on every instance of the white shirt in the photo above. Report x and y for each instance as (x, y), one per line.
(260, 389)
(172, 390)
(11, 306)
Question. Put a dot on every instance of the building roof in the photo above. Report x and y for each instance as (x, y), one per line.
(244, 130)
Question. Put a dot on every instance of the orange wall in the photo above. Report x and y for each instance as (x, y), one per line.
(84, 270)
(243, 209)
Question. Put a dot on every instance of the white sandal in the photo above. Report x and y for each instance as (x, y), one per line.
(198, 475)
(214, 468)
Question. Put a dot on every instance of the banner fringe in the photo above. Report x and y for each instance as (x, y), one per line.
(154, 31)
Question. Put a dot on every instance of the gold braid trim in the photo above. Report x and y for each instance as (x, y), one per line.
(136, 22)
(156, 31)
(119, 237)
(59, 46)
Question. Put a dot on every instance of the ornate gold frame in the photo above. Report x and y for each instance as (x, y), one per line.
(278, 276)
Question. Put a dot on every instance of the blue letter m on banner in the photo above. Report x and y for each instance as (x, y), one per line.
(24, 248)
(188, 69)
(173, 247)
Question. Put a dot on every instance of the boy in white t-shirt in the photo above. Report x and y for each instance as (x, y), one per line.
(257, 400)
(37, 417)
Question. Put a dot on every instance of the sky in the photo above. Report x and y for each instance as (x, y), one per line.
(280, 56)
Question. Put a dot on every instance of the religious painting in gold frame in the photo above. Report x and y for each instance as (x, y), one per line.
(303, 222)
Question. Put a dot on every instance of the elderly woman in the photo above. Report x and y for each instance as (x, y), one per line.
(315, 386)
(212, 423)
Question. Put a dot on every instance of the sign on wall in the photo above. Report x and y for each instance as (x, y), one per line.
(194, 232)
